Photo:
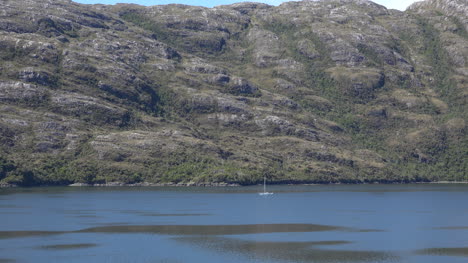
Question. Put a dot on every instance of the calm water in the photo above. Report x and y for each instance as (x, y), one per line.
(331, 223)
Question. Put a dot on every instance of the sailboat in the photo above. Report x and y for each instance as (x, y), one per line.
(264, 188)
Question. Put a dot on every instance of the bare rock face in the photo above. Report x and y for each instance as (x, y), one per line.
(192, 29)
(307, 48)
(310, 91)
(453, 8)
(31, 75)
(267, 48)
(241, 86)
(201, 66)
(17, 92)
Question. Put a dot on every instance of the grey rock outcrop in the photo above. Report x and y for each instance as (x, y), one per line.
(310, 91)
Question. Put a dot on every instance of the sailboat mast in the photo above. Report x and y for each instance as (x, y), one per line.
(264, 184)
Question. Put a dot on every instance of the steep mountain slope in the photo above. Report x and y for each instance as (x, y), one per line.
(328, 91)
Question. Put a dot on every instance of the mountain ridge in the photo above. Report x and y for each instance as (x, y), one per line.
(306, 92)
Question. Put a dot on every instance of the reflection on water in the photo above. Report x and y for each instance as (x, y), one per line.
(290, 251)
(67, 246)
(364, 188)
(6, 260)
(450, 251)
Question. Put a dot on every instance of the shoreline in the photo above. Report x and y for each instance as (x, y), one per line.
(222, 184)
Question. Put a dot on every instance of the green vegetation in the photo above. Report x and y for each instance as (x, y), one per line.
(6, 167)
(199, 96)
(374, 60)
(146, 23)
(461, 30)
(437, 57)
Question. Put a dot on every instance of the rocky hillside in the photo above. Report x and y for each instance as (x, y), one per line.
(306, 92)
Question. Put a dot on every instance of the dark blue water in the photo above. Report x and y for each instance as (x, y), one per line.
(325, 223)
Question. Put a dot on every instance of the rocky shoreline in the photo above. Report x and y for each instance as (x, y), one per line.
(145, 184)
(193, 184)
(223, 184)
(6, 185)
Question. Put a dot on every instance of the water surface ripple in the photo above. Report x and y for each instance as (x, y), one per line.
(315, 223)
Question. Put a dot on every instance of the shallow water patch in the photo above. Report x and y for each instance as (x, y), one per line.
(451, 228)
(289, 251)
(146, 213)
(67, 246)
(13, 206)
(87, 216)
(444, 251)
(202, 230)
(180, 214)
(21, 234)
(214, 229)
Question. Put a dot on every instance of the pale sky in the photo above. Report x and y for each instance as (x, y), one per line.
(394, 4)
